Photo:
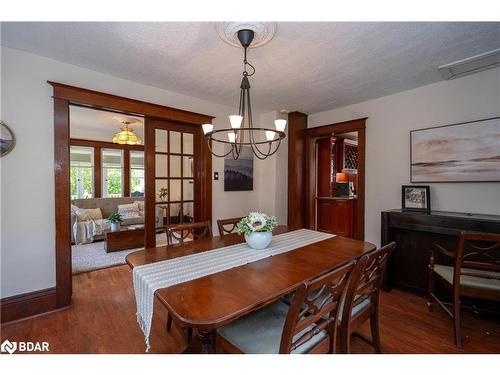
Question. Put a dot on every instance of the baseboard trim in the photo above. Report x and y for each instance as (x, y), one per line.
(27, 304)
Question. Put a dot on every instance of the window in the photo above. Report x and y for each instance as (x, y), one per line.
(136, 173)
(112, 173)
(81, 172)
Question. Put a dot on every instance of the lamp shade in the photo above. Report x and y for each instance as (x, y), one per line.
(341, 177)
(126, 136)
(235, 121)
(280, 125)
(270, 135)
(207, 128)
(232, 137)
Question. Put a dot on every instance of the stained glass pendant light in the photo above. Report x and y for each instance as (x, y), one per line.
(126, 135)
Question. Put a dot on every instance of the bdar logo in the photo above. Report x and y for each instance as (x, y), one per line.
(9, 347)
(24, 346)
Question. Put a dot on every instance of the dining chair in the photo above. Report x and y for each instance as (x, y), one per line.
(181, 233)
(475, 273)
(222, 223)
(362, 298)
(192, 231)
(306, 326)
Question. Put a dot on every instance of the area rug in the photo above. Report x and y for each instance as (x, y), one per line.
(92, 256)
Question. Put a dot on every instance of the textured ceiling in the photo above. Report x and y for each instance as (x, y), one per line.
(309, 67)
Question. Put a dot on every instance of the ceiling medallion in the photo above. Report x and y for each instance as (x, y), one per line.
(263, 32)
(263, 142)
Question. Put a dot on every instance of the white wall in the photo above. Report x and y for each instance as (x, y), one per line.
(27, 187)
(390, 120)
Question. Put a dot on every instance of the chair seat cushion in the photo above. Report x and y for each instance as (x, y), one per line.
(260, 332)
(486, 281)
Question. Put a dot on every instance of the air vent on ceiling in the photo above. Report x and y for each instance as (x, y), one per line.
(470, 65)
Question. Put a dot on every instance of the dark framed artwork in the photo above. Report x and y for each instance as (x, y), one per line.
(464, 152)
(238, 174)
(7, 139)
(416, 198)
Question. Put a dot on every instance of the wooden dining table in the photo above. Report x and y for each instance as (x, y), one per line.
(212, 301)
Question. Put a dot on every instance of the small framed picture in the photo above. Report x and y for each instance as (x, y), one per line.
(415, 198)
(7, 139)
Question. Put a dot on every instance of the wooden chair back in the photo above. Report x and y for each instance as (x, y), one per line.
(221, 224)
(367, 278)
(480, 251)
(316, 306)
(195, 231)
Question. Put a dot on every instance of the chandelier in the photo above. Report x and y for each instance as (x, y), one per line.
(126, 135)
(264, 142)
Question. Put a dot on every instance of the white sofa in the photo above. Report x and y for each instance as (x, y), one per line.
(109, 206)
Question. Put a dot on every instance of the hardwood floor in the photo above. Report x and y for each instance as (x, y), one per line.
(102, 320)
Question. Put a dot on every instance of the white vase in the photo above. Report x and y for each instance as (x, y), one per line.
(259, 240)
(115, 227)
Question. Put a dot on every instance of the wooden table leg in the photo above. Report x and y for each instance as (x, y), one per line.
(202, 343)
(206, 340)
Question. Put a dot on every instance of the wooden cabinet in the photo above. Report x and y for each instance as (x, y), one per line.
(415, 233)
(336, 215)
(123, 239)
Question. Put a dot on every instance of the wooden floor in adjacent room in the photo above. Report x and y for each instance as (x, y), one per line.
(102, 320)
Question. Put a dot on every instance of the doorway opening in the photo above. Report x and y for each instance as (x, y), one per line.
(335, 187)
(107, 177)
(113, 173)
(336, 183)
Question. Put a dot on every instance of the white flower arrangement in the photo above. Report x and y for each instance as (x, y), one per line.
(256, 222)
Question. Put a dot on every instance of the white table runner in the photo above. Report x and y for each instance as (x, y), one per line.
(150, 277)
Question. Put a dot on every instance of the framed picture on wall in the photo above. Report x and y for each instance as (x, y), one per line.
(464, 152)
(238, 174)
(415, 198)
(7, 139)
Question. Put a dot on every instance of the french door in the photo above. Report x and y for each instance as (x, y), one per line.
(178, 184)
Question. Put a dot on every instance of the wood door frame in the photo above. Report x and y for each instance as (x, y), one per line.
(311, 135)
(296, 212)
(66, 95)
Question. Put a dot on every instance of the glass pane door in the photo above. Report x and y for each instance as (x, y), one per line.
(178, 176)
(174, 174)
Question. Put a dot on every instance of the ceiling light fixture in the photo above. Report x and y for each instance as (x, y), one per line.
(126, 135)
(264, 142)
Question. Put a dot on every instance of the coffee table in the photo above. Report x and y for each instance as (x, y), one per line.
(123, 239)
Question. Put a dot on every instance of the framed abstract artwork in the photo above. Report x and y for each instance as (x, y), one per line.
(464, 152)
(238, 174)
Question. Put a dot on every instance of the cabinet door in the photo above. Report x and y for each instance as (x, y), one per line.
(324, 216)
(336, 217)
